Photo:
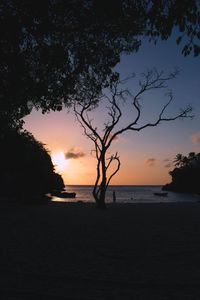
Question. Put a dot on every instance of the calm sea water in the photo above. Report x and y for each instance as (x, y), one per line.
(128, 194)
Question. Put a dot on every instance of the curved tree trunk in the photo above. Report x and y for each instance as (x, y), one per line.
(99, 192)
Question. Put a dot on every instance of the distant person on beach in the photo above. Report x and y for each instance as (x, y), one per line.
(114, 197)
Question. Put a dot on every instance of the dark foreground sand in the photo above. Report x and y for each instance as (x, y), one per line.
(75, 251)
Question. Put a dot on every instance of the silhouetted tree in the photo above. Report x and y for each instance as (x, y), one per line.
(113, 100)
(51, 50)
(179, 160)
(26, 167)
(185, 161)
(185, 175)
(48, 48)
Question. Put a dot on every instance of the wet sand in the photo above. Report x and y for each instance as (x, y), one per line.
(75, 251)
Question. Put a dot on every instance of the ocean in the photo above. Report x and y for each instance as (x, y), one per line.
(128, 194)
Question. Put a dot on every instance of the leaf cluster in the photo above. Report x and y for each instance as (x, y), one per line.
(185, 175)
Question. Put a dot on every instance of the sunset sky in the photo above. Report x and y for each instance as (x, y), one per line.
(146, 157)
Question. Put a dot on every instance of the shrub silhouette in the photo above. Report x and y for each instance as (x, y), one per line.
(26, 167)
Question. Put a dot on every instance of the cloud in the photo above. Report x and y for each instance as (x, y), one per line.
(74, 153)
(150, 162)
(166, 160)
(168, 166)
(196, 138)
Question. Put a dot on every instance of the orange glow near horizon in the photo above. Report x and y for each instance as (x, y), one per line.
(59, 161)
(61, 134)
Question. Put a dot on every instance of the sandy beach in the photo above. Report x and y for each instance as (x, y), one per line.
(75, 251)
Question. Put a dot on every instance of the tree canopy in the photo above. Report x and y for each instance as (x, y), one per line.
(185, 175)
(50, 48)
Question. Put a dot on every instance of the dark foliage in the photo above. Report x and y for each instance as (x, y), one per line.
(186, 174)
(49, 48)
(26, 169)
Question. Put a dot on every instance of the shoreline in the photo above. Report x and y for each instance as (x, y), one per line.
(47, 201)
(130, 194)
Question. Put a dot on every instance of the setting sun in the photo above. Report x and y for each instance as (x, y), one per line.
(59, 161)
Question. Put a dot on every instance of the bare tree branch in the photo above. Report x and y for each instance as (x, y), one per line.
(152, 80)
(116, 157)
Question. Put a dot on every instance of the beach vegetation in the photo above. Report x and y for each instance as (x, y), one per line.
(186, 174)
(26, 169)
